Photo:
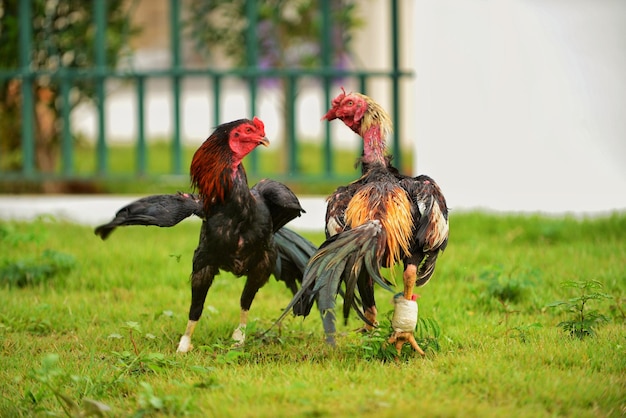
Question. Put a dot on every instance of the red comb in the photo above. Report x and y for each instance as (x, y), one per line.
(259, 124)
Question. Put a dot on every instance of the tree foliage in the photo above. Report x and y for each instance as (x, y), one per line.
(288, 32)
(63, 34)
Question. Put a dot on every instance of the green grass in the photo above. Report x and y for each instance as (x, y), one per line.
(100, 321)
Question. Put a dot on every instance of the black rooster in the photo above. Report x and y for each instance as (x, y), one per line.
(242, 230)
(378, 220)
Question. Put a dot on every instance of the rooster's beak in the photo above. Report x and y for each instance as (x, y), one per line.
(265, 142)
(332, 114)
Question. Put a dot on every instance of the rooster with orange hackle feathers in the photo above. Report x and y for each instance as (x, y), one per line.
(242, 230)
(380, 219)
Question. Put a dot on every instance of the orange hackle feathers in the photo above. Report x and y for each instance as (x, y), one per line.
(211, 169)
(390, 205)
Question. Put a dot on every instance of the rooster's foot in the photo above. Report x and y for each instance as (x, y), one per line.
(400, 338)
(184, 346)
(239, 335)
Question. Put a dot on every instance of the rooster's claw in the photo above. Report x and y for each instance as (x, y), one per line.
(400, 338)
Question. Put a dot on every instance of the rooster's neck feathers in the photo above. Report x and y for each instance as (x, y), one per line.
(216, 167)
(213, 169)
(375, 127)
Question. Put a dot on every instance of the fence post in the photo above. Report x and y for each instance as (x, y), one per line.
(395, 84)
(252, 61)
(141, 131)
(67, 150)
(326, 64)
(217, 98)
(100, 7)
(28, 81)
(290, 135)
(176, 60)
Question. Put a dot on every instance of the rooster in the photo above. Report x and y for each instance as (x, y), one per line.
(242, 229)
(377, 221)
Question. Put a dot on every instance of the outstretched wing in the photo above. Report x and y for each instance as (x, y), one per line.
(159, 210)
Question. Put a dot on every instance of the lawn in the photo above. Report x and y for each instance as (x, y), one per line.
(88, 325)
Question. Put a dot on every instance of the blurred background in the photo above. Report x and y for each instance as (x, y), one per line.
(510, 105)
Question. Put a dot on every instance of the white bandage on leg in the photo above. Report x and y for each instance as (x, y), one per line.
(405, 314)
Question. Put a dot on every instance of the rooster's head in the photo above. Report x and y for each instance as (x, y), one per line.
(358, 112)
(216, 163)
(246, 136)
(366, 118)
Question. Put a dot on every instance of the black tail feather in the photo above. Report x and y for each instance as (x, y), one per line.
(294, 252)
(341, 259)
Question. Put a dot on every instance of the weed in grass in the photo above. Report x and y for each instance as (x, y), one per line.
(506, 287)
(32, 325)
(136, 361)
(36, 270)
(617, 309)
(151, 403)
(522, 332)
(52, 378)
(10, 235)
(583, 321)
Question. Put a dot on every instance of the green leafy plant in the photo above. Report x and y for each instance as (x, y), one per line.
(137, 361)
(32, 271)
(522, 332)
(10, 235)
(584, 321)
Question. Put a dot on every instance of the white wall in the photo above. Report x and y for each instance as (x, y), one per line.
(521, 105)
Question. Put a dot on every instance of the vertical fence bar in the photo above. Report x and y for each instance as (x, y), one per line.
(363, 84)
(217, 99)
(252, 61)
(290, 97)
(327, 64)
(100, 57)
(395, 84)
(176, 68)
(362, 89)
(67, 148)
(141, 119)
(28, 81)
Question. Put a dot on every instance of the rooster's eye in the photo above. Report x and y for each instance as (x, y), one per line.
(248, 130)
(350, 102)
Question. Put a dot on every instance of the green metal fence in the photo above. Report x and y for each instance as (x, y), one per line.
(101, 73)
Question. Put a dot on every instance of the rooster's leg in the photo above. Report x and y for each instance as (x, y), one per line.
(370, 313)
(409, 278)
(366, 290)
(399, 338)
(200, 283)
(253, 284)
